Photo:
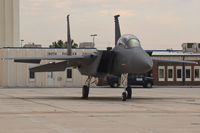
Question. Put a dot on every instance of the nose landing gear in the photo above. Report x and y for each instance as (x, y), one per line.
(124, 96)
(127, 93)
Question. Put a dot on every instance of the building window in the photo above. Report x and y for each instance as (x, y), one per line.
(189, 45)
(188, 73)
(161, 73)
(170, 73)
(31, 75)
(69, 74)
(178, 73)
(199, 45)
(197, 73)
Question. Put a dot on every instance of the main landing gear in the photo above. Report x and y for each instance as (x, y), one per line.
(127, 93)
(86, 88)
(85, 91)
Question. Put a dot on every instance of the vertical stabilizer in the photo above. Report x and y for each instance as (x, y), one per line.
(69, 51)
(117, 29)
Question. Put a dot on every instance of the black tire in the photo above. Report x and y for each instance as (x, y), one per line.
(124, 96)
(148, 85)
(85, 92)
(129, 91)
(115, 85)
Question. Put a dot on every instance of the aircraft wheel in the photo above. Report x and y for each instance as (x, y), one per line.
(85, 92)
(129, 91)
(124, 96)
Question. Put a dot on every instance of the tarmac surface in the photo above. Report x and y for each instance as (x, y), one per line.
(61, 110)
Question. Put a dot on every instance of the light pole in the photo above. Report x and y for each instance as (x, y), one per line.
(93, 35)
(22, 42)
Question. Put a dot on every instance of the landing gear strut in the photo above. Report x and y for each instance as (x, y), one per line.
(127, 94)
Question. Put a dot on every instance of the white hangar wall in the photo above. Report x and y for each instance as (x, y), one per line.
(18, 75)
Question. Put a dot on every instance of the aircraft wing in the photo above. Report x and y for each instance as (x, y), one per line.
(52, 67)
(37, 60)
(66, 61)
(174, 61)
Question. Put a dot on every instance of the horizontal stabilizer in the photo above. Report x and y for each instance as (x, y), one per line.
(175, 61)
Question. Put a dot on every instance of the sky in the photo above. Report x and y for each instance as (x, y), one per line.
(159, 24)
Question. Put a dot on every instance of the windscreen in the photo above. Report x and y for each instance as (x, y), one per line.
(128, 41)
(133, 43)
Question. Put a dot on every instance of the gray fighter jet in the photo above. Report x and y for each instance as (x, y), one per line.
(127, 56)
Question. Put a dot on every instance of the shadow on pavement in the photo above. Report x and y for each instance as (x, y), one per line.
(105, 98)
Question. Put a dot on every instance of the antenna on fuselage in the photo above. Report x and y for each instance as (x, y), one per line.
(117, 29)
(69, 47)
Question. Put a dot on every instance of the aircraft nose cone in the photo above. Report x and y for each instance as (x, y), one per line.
(139, 61)
(144, 62)
(148, 64)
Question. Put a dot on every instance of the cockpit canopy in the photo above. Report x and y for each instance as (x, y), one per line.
(128, 41)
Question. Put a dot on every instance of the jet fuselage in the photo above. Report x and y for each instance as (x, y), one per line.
(129, 57)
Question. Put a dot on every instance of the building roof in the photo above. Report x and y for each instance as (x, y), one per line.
(173, 53)
(40, 48)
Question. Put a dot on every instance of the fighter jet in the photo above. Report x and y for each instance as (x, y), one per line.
(127, 57)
